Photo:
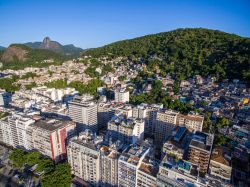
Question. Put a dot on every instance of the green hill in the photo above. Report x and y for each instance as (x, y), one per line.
(18, 56)
(187, 52)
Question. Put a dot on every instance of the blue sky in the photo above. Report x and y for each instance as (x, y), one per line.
(93, 23)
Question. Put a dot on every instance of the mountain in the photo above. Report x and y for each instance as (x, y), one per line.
(186, 52)
(47, 43)
(18, 56)
(2, 48)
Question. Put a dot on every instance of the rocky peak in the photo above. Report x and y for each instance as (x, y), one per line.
(46, 42)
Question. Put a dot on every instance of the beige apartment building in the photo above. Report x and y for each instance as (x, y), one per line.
(165, 123)
(220, 164)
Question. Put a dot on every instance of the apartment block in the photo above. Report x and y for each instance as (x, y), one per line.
(121, 95)
(165, 123)
(199, 150)
(105, 112)
(5, 98)
(220, 164)
(148, 113)
(14, 130)
(84, 157)
(126, 130)
(177, 143)
(83, 111)
(50, 135)
(147, 172)
(129, 162)
(192, 121)
(109, 166)
(179, 173)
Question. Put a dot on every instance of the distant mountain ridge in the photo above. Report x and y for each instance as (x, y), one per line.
(2, 48)
(47, 43)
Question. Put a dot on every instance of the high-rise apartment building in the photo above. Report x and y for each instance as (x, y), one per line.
(84, 157)
(220, 164)
(129, 162)
(49, 137)
(109, 166)
(83, 110)
(199, 150)
(13, 130)
(192, 121)
(179, 173)
(165, 123)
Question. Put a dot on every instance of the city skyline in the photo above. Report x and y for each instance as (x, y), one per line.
(97, 23)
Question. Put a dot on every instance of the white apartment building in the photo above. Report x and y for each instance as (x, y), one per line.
(127, 130)
(147, 172)
(14, 130)
(148, 113)
(128, 164)
(83, 110)
(53, 93)
(121, 96)
(84, 157)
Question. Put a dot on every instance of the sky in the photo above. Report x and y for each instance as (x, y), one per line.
(94, 23)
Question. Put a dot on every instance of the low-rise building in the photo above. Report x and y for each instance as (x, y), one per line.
(220, 164)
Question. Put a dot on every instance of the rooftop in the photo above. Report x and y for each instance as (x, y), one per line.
(219, 155)
(51, 124)
(134, 153)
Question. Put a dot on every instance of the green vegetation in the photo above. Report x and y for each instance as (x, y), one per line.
(221, 122)
(157, 95)
(3, 114)
(106, 69)
(8, 84)
(61, 176)
(91, 71)
(122, 78)
(90, 88)
(30, 86)
(187, 52)
(60, 83)
(52, 174)
(34, 58)
(29, 75)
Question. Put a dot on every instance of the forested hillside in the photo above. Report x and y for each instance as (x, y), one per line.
(187, 52)
(18, 56)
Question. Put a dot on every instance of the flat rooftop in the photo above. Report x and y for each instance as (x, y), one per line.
(51, 124)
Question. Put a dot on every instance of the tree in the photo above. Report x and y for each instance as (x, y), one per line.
(61, 176)
(222, 121)
(18, 157)
(122, 78)
(60, 83)
(30, 86)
